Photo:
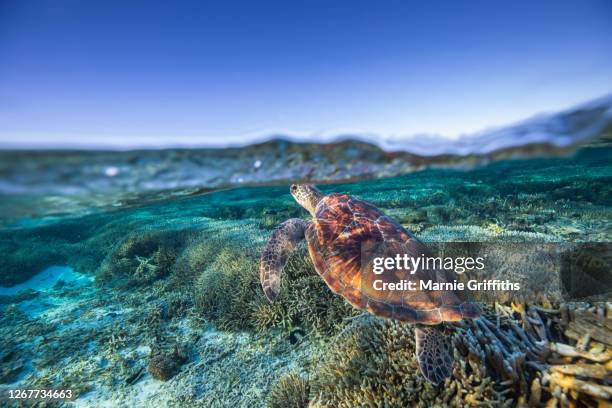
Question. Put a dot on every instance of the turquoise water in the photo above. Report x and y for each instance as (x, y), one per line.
(173, 275)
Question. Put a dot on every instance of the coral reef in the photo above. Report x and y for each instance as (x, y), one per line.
(585, 271)
(191, 266)
(164, 366)
(143, 257)
(22, 260)
(305, 299)
(373, 364)
(473, 233)
(267, 315)
(200, 251)
(291, 391)
(228, 290)
(512, 356)
(579, 366)
(11, 365)
(304, 302)
(225, 290)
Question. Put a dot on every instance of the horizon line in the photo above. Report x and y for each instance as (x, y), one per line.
(264, 136)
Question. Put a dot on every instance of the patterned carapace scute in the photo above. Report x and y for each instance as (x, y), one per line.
(343, 239)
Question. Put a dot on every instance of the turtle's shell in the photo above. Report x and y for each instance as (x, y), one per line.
(347, 233)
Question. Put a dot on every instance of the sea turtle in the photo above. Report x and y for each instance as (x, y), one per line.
(343, 237)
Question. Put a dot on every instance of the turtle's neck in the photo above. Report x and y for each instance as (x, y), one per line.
(314, 198)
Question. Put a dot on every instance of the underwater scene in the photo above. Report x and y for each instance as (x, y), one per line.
(155, 299)
(305, 204)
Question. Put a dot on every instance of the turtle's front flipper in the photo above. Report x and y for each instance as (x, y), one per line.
(283, 240)
(434, 350)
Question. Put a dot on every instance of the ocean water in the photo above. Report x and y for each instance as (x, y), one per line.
(130, 294)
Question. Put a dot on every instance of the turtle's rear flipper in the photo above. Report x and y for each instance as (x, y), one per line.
(283, 240)
(434, 352)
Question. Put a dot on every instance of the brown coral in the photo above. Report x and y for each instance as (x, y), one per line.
(373, 364)
(581, 371)
(143, 257)
(512, 356)
(163, 367)
(166, 365)
(291, 391)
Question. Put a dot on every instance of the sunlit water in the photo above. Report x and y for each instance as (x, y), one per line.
(558, 198)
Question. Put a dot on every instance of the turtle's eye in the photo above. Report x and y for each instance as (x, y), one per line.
(293, 188)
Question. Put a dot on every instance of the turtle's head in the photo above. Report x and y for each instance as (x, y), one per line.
(307, 195)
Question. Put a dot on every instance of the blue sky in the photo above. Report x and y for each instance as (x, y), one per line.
(130, 73)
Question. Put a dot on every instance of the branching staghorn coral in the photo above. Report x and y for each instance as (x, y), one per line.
(143, 257)
(229, 293)
(512, 356)
(581, 371)
(304, 302)
(528, 350)
(372, 364)
(225, 291)
(291, 391)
